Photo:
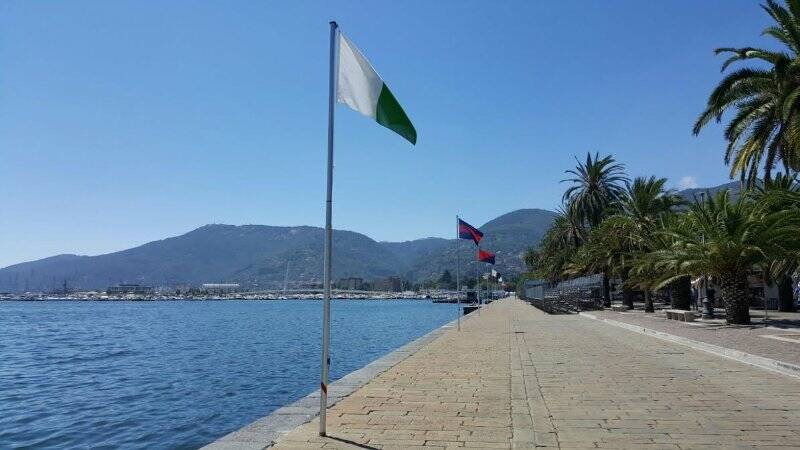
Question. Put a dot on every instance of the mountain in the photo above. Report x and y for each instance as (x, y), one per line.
(256, 256)
(253, 255)
(690, 194)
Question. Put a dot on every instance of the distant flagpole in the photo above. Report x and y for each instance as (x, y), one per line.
(326, 280)
(478, 279)
(458, 274)
(458, 257)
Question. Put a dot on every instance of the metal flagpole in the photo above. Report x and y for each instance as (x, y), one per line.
(458, 275)
(326, 308)
(478, 280)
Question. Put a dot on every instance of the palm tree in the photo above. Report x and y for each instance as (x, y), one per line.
(644, 203)
(780, 194)
(725, 239)
(607, 250)
(558, 245)
(647, 274)
(596, 185)
(765, 128)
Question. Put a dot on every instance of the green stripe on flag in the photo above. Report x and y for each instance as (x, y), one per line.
(390, 114)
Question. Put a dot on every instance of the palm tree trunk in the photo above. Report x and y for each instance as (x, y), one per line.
(734, 294)
(627, 297)
(681, 297)
(648, 302)
(606, 291)
(786, 295)
(627, 293)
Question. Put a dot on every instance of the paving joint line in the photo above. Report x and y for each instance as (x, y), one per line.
(548, 416)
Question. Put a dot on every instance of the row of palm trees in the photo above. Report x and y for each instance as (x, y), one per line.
(651, 239)
(763, 100)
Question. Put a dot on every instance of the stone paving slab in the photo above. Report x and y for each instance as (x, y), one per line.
(747, 339)
(605, 387)
(518, 378)
(454, 392)
(736, 355)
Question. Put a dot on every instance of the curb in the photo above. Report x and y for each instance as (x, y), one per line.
(266, 431)
(772, 365)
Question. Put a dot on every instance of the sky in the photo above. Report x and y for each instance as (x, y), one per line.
(125, 122)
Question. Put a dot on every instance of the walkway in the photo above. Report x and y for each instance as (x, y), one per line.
(515, 377)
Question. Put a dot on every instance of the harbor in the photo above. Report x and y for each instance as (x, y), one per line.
(229, 226)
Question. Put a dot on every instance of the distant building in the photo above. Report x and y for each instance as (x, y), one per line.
(127, 289)
(352, 283)
(220, 287)
(391, 284)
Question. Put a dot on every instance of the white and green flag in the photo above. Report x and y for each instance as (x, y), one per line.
(362, 89)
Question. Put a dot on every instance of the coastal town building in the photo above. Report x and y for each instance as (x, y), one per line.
(391, 284)
(220, 287)
(352, 283)
(128, 289)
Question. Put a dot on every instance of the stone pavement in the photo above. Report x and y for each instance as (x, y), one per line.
(516, 377)
(746, 338)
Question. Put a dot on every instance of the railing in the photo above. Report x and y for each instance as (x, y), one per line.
(569, 300)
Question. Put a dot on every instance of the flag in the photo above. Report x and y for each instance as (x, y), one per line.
(363, 90)
(486, 256)
(467, 231)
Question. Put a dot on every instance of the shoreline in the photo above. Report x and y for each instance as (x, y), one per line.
(202, 299)
(267, 430)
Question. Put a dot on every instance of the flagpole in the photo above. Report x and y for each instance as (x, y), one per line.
(478, 280)
(326, 303)
(458, 275)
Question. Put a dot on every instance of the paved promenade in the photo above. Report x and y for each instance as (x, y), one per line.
(515, 377)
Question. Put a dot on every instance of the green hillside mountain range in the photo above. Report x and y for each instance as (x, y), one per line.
(256, 256)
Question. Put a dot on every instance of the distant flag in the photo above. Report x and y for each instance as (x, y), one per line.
(362, 89)
(467, 231)
(485, 256)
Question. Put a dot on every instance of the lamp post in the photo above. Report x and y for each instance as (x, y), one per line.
(708, 308)
(764, 290)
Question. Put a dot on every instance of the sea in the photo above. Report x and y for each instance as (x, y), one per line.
(178, 374)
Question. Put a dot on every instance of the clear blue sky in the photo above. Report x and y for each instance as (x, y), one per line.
(128, 121)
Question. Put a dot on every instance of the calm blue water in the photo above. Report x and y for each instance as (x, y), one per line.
(177, 374)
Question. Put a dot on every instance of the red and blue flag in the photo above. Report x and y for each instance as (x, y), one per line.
(467, 231)
(485, 256)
